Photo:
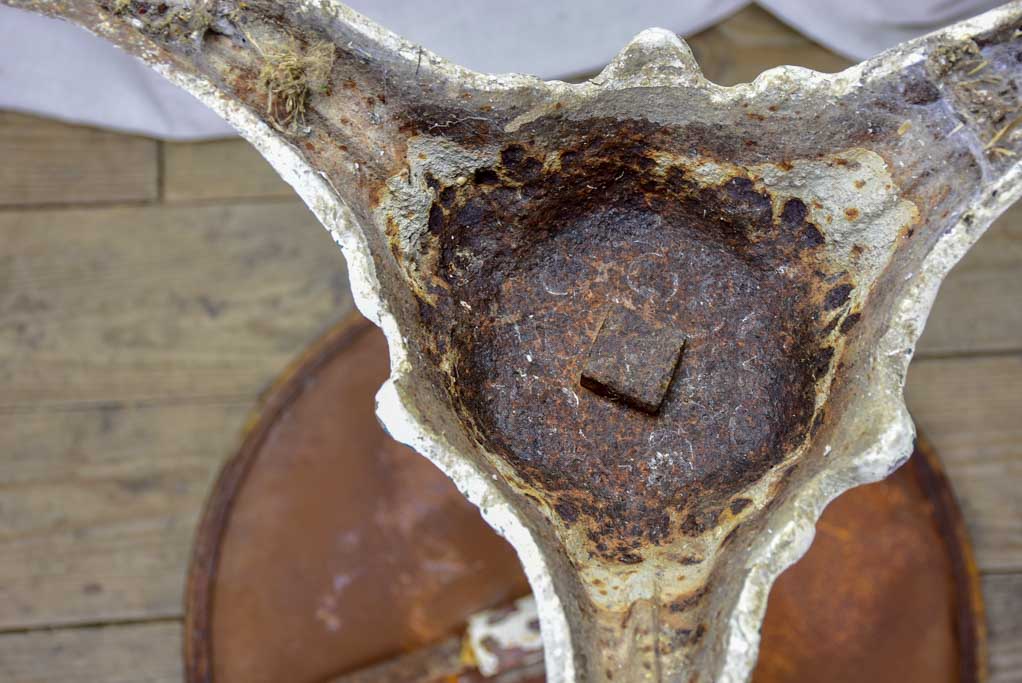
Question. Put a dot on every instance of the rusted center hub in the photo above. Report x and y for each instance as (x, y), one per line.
(633, 359)
(595, 272)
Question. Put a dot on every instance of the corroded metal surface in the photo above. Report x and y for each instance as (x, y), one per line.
(888, 592)
(794, 229)
(633, 359)
(325, 543)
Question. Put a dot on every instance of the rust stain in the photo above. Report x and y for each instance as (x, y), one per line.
(633, 360)
(532, 253)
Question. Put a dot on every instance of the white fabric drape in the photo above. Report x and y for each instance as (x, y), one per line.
(58, 70)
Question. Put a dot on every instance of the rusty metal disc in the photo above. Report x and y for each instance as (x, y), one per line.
(326, 547)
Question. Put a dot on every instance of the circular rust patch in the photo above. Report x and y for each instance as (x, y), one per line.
(326, 547)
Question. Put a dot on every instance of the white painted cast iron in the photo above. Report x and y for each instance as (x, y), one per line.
(650, 325)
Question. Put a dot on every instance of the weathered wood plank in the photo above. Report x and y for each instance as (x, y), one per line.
(45, 162)
(149, 653)
(159, 303)
(143, 653)
(1003, 596)
(979, 307)
(752, 40)
(99, 493)
(98, 504)
(98, 507)
(219, 169)
(971, 409)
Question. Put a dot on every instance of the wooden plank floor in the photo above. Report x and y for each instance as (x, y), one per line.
(149, 291)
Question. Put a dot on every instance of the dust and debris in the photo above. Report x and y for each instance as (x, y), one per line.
(290, 73)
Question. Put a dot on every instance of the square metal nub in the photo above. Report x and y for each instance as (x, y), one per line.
(633, 360)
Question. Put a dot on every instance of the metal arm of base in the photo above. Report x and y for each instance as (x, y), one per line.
(651, 326)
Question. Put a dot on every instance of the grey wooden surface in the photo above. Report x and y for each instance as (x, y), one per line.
(149, 291)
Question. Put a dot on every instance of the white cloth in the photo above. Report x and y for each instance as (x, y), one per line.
(58, 70)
